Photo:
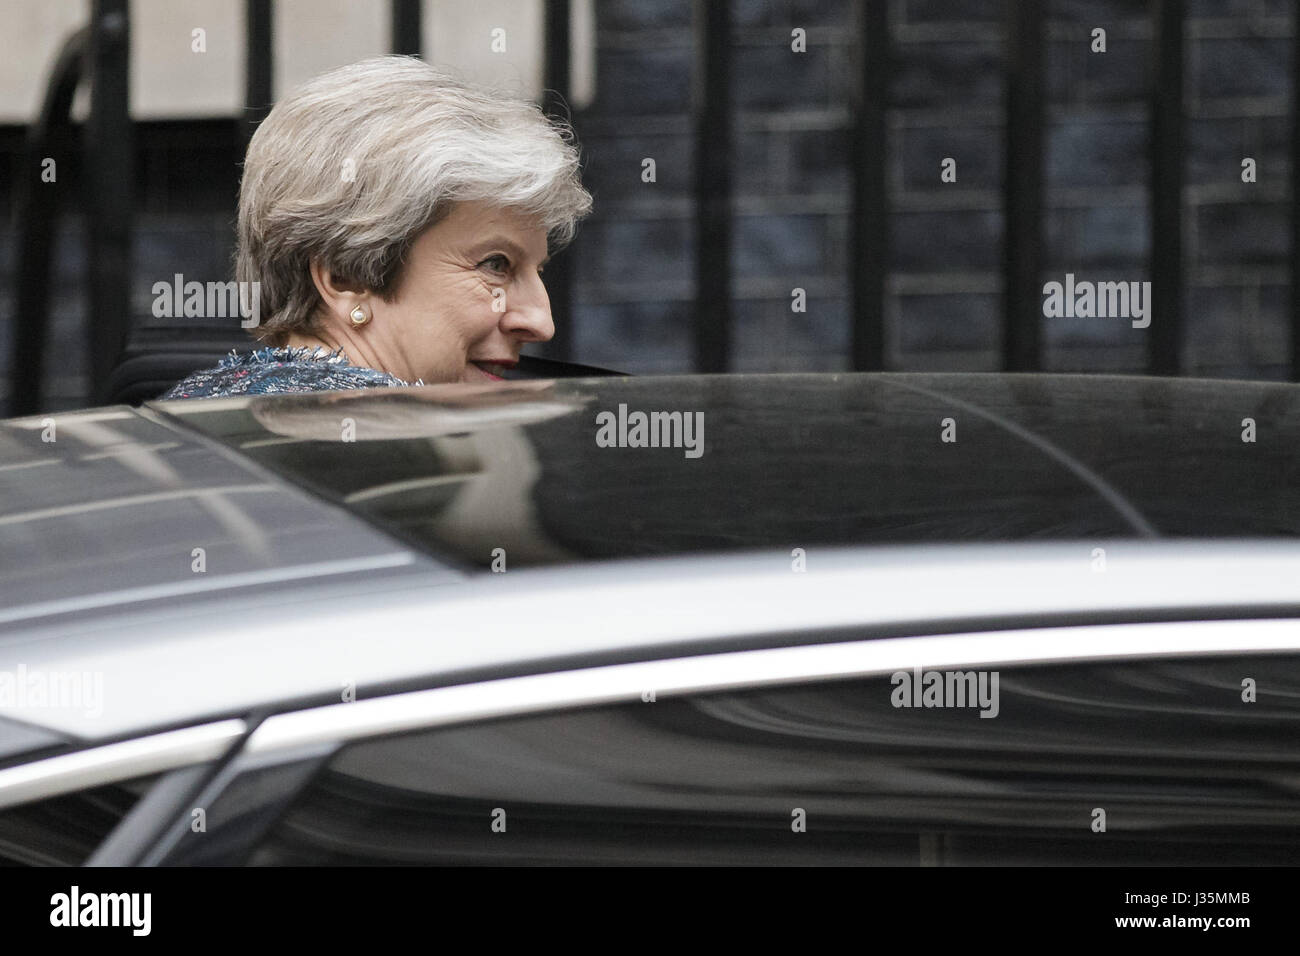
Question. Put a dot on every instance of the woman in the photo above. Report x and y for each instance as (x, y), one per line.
(393, 226)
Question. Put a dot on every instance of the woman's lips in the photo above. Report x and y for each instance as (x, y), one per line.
(488, 370)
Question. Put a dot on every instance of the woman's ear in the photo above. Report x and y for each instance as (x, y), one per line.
(339, 294)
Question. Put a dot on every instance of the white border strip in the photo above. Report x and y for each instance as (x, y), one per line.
(121, 761)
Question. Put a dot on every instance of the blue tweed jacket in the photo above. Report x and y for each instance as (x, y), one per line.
(269, 371)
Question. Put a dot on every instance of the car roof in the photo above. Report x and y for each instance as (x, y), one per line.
(166, 665)
(801, 460)
(615, 553)
(111, 505)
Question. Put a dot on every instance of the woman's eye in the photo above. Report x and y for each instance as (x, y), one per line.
(497, 263)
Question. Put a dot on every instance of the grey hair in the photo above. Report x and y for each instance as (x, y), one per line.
(352, 166)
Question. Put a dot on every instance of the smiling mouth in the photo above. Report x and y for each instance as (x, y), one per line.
(494, 370)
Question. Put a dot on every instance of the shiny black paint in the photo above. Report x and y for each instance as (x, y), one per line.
(1186, 771)
(790, 461)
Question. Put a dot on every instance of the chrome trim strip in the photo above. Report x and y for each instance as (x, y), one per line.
(744, 669)
(120, 761)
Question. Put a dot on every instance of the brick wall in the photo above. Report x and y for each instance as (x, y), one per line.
(946, 100)
(634, 257)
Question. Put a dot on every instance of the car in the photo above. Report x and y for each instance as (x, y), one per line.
(822, 618)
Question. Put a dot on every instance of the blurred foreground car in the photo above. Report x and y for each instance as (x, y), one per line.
(872, 618)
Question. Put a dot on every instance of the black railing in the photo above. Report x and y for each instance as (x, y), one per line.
(1295, 198)
(1022, 259)
(259, 64)
(36, 207)
(109, 175)
(557, 82)
(407, 29)
(712, 117)
(869, 236)
(1164, 336)
(1023, 190)
(98, 54)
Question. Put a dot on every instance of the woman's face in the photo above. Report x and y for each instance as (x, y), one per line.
(470, 295)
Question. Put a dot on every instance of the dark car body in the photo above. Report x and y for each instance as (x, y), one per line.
(458, 624)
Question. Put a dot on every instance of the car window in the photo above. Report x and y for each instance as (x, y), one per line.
(1155, 762)
(65, 830)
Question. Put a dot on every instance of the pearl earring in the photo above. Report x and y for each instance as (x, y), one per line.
(359, 316)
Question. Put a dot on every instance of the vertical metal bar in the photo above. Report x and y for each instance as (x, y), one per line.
(258, 64)
(1295, 200)
(1023, 188)
(557, 82)
(405, 38)
(869, 240)
(109, 174)
(1164, 337)
(711, 109)
(36, 210)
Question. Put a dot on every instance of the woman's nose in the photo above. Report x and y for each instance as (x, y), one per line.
(529, 315)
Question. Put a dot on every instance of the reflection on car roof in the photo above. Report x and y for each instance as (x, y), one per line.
(521, 473)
